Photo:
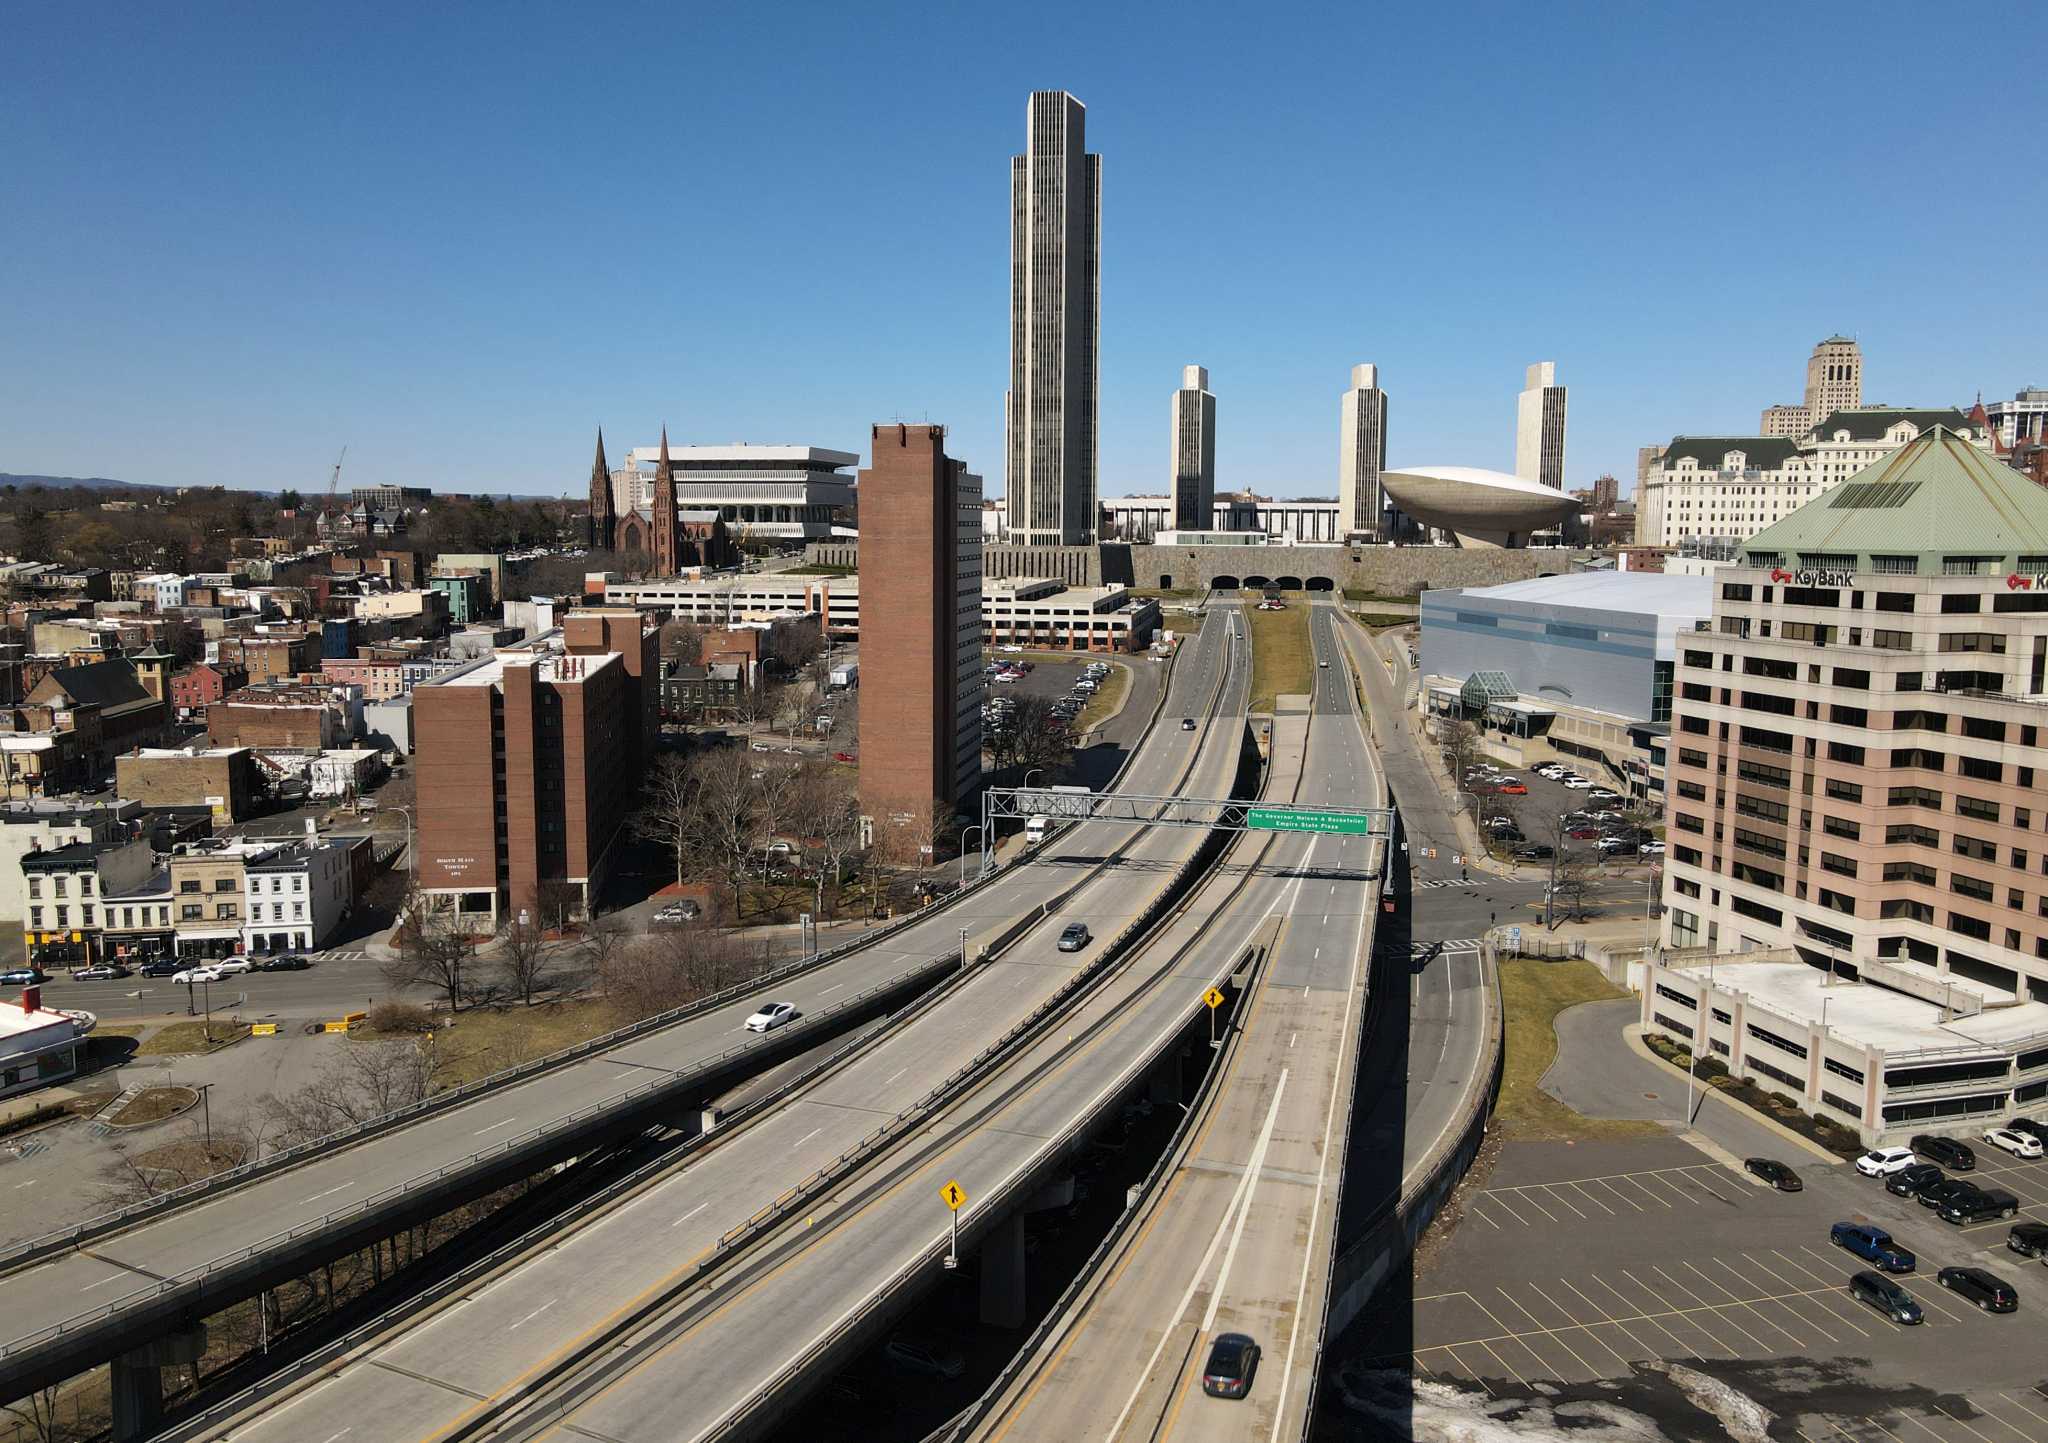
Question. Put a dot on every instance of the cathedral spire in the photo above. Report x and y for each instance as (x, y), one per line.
(602, 525)
(664, 513)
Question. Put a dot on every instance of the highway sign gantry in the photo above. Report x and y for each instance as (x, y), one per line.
(1307, 819)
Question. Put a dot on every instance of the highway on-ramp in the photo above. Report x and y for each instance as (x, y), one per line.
(126, 1270)
(1238, 1237)
(488, 1344)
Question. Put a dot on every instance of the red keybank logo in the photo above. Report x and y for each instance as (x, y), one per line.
(1778, 575)
(2017, 582)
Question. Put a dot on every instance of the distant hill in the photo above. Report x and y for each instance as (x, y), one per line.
(82, 483)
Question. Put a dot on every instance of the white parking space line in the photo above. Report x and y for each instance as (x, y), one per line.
(1587, 1196)
(1684, 1349)
(1589, 1328)
(1715, 1309)
(2038, 1417)
(1735, 1298)
(1840, 1306)
(1643, 1350)
(1783, 1302)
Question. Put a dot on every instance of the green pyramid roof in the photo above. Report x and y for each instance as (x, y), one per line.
(1934, 498)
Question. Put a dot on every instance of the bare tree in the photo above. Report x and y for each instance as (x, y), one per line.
(792, 645)
(667, 811)
(364, 1080)
(823, 809)
(683, 640)
(1460, 743)
(428, 956)
(38, 1413)
(1569, 887)
(522, 953)
(1030, 736)
(666, 970)
(602, 940)
(556, 903)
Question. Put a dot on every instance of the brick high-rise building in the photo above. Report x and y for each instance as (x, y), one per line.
(920, 628)
(518, 761)
(594, 630)
(1859, 741)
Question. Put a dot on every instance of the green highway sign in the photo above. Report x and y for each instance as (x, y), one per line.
(1306, 819)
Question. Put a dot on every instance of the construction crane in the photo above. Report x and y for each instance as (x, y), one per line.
(334, 478)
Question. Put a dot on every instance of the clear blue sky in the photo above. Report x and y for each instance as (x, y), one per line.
(458, 238)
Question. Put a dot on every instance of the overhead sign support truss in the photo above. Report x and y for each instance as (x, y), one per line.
(1077, 805)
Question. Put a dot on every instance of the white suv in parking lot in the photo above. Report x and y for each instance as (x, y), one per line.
(2016, 1143)
(1884, 1161)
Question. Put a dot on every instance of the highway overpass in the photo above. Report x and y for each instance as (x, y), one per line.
(72, 1309)
(489, 1342)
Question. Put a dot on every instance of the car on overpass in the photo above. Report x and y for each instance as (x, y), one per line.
(1074, 936)
(1233, 1359)
(771, 1016)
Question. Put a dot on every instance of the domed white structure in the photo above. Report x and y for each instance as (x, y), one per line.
(1480, 508)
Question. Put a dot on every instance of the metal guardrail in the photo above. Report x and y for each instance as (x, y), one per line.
(38, 1249)
(198, 1272)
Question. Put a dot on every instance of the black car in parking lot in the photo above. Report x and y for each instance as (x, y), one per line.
(1981, 1205)
(1773, 1172)
(1987, 1290)
(1953, 1155)
(1911, 1181)
(1886, 1296)
(2029, 1240)
(1938, 1195)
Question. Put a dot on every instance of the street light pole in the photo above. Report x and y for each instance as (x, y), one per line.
(1550, 892)
(977, 827)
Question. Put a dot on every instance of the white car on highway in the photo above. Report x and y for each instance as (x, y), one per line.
(193, 975)
(1884, 1161)
(771, 1016)
(2016, 1143)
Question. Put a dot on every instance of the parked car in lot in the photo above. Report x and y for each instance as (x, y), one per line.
(1883, 1161)
(1886, 1296)
(2029, 1240)
(683, 911)
(1980, 1205)
(99, 972)
(24, 977)
(1074, 936)
(771, 1016)
(1951, 1154)
(2018, 1143)
(285, 964)
(1510, 788)
(1584, 834)
(1873, 1245)
(1773, 1172)
(1533, 852)
(1938, 1195)
(1909, 1181)
(1577, 783)
(2037, 1131)
(1233, 1359)
(1650, 849)
(1987, 1290)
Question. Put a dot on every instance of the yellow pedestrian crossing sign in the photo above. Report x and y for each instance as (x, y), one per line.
(1214, 998)
(953, 1195)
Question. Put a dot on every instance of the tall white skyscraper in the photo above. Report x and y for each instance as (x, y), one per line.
(1055, 314)
(1539, 427)
(1360, 506)
(1194, 452)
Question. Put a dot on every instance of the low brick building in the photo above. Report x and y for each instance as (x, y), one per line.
(287, 717)
(222, 779)
(278, 654)
(199, 686)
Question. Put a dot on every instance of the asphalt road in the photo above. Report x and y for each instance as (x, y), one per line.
(128, 1265)
(432, 1373)
(1236, 1242)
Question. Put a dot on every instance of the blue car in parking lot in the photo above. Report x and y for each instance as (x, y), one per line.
(1873, 1245)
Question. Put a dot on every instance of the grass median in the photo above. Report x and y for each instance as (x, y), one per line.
(1108, 696)
(1532, 994)
(1283, 664)
(191, 1037)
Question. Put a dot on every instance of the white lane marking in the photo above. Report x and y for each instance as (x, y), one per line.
(102, 1282)
(330, 1192)
(342, 1434)
(690, 1214)
(1290, 1039)
(805, 1138)
(833, 988)
(1319, 952)
(30, 1183)
(502, 1122)
(894, 1075)
(1244, 1185)
(532, 1315)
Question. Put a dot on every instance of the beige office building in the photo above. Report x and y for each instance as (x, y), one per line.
(1860, 735)
(1834, 382)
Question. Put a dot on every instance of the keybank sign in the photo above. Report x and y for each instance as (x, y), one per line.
(1807, 577)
